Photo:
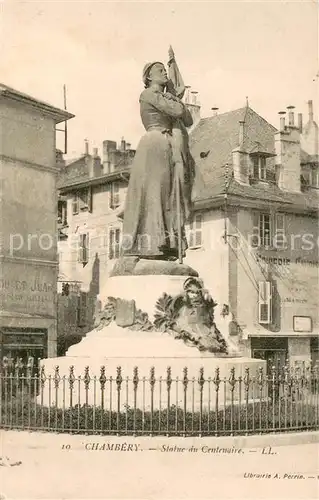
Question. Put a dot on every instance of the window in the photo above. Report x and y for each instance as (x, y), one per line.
(259, 167)
(62, 213)
(265, 230)
(265, 302)
(269, 230)
(82, 200)
(315, 177)
(75, 205)
(195, 232)
(114, 243)
(114, 195)
(83, 256)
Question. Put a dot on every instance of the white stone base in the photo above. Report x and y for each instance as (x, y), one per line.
(113, 346)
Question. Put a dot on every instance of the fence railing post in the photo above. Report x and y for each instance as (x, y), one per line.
(201, 382)
(135, 388)
(168, 385)
(119, 380)
(285, 398)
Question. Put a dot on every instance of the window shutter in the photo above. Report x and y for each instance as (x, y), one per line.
(195, 232)
(255, 232)
(264, 302)
(117, 195)
(191, 242)
(111, 244)
(80, 250)
(75, 205)
(86, 247)
(198, 238)
(279, 227)
(90, 199)
(198, 221)
(280, 222)
(117, 243)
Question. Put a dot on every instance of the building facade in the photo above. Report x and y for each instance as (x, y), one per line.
(256, 230)
(28, 228)
(253, 236)
(92, 192)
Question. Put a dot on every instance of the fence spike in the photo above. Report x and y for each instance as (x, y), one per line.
(201, 379)
(260, 376)
(119, 378)
(232, 379)
(57, 377)
(169, 377)
(216, 379)
(185, 377)
(86, 378)
(102, 378)
(135, 377)
(152, 378)
(42, 376)
(247, 379)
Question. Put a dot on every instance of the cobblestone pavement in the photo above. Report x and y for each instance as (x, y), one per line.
(47, 466)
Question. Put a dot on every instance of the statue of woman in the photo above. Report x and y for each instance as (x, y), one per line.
(150, 215)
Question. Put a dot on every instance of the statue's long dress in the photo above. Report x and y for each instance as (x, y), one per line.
(149, 227)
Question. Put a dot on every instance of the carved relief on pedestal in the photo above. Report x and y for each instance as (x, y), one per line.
(188, 317)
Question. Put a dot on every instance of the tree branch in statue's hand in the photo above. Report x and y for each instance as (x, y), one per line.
(171, 54)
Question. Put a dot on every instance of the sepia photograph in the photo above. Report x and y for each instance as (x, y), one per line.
(159, 250)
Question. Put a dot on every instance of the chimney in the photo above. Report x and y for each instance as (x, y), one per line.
(310, 110)
(95, 152)
(241, 132)
(287, 145)
(59, 158)
(194, 97)
(108, 156)
(310, 134)
(194, 108)
(282, 120)
(86, 147)
(187, 94)
(291, 116)
(123, 144)
(300, 122)
(215, 111)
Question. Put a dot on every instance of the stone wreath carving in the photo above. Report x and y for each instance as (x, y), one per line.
(188, 317)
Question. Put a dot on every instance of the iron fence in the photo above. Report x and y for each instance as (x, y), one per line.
(279, 400)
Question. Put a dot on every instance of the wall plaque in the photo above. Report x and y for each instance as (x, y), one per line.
(302, 324)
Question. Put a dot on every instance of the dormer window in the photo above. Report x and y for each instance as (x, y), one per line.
(259, 167)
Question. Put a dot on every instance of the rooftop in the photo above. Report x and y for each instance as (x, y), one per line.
(212, 143)
(59, 115)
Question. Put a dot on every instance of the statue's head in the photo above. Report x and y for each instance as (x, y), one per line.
(193, 288)
(154, 72)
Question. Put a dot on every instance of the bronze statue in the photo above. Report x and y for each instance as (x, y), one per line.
(158, 200)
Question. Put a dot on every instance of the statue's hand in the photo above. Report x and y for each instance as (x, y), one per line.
(170, 96)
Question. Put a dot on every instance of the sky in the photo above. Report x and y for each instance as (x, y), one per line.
(226, 51)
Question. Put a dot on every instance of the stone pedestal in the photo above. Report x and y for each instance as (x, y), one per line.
(145, 369)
